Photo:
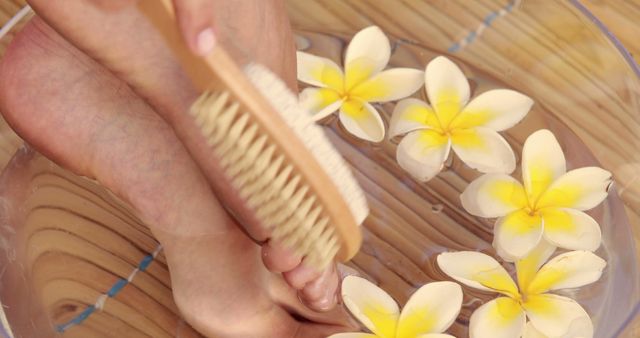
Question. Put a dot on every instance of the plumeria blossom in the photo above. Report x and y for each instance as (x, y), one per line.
(429, 312)
(451, 121)
(362, 82)
(548, 207)
(550, 315)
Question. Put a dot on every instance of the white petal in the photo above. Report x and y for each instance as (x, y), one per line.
(447, 88)
(580, 328)
(422, 153)
(362, 120)
(542, 163)
(518, 233)
(503, 254)
(499, 318)
(531, 332)
(477, 270)
(581, 189)
(371, 44)
(483, 149)
(493, 195)
(431, 309)
(528, 267)
(319, 71)
(389, 85)
(553, 315)
(497, 109)
(373, 307)
(320, 102)
(353, 335)
(568, 270)
(571, 229)
(409, 115)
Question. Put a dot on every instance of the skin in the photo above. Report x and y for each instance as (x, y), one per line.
(104, 100)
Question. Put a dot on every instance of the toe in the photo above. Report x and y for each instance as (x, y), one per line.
(278, 258)
(321, 293)
(301, 275)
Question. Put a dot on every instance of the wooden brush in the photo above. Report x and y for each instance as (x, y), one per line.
(281, 170)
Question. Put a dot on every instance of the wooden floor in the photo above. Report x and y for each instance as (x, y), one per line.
(620, 16)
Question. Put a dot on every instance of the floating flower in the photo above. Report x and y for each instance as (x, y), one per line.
(362, 82)
(550, 205)
(549, 314)
(429, 311)
(449, 122)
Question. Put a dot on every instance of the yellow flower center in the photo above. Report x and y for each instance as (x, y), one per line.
(531, 210)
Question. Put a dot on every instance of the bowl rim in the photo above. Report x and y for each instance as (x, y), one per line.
(635, 67)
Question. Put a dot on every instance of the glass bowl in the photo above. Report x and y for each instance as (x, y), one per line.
(586, 90)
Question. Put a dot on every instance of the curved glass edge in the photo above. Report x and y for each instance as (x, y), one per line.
(635, 67)
(616, 42)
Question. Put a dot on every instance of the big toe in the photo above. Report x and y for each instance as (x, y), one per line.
(279, 258)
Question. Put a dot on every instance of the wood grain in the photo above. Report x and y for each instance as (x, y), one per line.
(73, 241)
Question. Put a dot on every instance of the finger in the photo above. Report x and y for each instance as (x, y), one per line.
(301, 275)
(278, 258)
(321, 293)
(195, 19)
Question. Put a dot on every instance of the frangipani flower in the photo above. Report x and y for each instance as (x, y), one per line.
(429, 311)
(471, 129)
(362, 82)
(549, 314)
(550, 205)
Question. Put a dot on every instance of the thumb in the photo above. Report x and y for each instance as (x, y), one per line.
(195, 19)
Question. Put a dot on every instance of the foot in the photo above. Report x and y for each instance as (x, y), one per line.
(83, 117)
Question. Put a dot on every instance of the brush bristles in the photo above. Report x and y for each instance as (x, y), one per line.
(269, 185)
(312, 135)
(264, 180)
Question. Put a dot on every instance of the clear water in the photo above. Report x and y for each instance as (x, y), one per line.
(412, 222)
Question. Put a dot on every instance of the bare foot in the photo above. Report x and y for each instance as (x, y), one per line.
(82, 116)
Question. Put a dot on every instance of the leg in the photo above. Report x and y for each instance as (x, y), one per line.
(82, 116)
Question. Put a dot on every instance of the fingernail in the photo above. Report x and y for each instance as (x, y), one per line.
(206, 41)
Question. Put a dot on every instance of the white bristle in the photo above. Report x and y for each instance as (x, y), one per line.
(263, 177)
(238, 127)
(245, 140)
(299, 226)
(305, 234)
(279, 196)
(273, 89)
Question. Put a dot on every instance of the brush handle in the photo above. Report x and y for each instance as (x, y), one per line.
(219, 71)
